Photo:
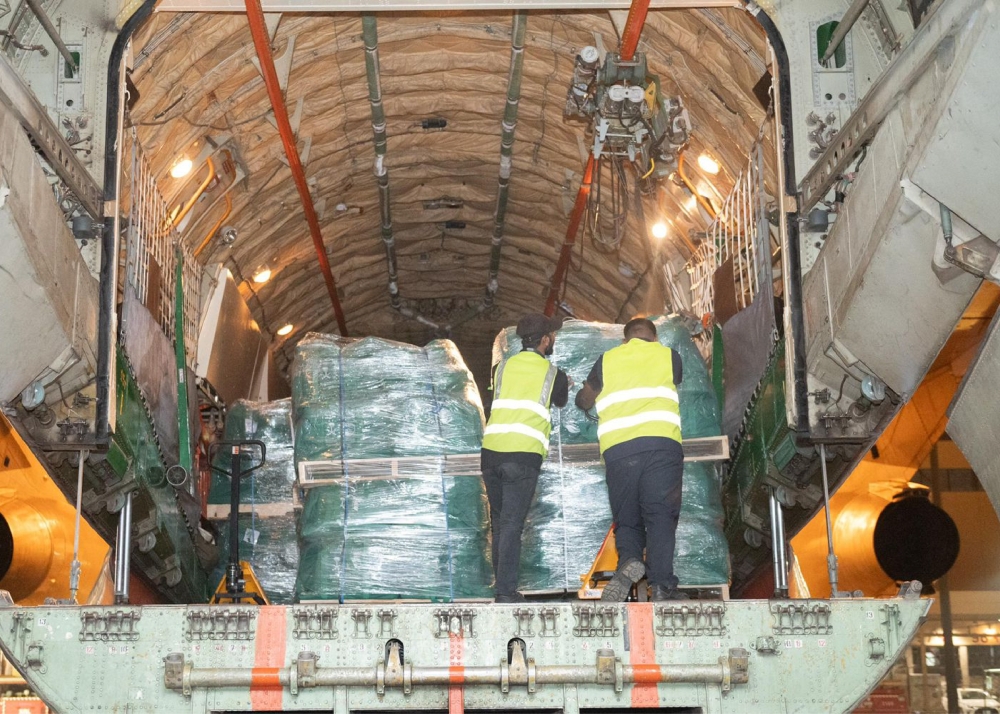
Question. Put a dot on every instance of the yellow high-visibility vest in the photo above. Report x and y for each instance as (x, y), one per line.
(639, 397)
(522, 394)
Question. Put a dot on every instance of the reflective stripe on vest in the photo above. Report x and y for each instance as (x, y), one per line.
(519, 417)
(639, 397)
(637, 393)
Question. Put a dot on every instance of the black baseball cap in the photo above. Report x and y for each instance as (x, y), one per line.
(536, 324)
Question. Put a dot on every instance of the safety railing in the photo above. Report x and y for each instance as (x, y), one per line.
(150, 251)
(740, 232)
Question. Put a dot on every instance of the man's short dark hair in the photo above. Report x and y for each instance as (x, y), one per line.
(530, 343)
(640, 327)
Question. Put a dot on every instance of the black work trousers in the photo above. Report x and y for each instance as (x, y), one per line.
(510, 487)
(645, 494)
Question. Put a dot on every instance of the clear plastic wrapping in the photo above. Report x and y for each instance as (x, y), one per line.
(570, 515)
(267, 534)
(270, 546)
(421, 533)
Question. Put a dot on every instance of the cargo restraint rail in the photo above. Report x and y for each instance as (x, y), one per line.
(730, 670)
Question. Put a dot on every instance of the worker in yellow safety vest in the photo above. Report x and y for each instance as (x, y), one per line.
(634, 387)
(516, 440)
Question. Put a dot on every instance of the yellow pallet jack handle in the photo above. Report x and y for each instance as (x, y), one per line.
(605, 561)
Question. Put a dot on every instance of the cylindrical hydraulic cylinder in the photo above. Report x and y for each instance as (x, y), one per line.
(778, 547)
(123, 551)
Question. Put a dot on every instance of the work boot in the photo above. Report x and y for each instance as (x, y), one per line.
(628, 573)
(514, 597)
(659, 593)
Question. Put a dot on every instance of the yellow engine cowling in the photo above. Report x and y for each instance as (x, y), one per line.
(883, 538)
(30, 541)
(36, 533)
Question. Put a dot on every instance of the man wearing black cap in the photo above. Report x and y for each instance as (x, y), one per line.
(516, 440)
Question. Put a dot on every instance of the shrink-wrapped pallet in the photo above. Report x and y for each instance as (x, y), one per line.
(267, 522)
(384, 424)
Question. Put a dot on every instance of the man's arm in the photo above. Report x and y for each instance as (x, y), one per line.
(678, 367)
(560, 390)
(587, 395)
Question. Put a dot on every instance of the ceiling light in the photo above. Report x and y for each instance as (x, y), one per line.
(286, 330)
(707, 164)
(659, 230)
(182, 168)
(262, 275)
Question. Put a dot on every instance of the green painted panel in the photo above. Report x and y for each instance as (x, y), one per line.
(800, 655)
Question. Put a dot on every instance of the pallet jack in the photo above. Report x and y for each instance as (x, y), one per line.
(239, 584)
(601, 570)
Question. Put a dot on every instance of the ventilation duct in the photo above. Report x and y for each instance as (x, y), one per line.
(369, 33)
(508, 126)
(29, 540)
(369, 28)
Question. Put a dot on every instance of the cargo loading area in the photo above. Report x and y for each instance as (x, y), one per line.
(281, 284)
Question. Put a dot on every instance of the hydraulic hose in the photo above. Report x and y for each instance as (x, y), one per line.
(794, 297)
(109, 237)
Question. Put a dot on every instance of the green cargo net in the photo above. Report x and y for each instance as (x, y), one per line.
(570, 516)
(388, 535)
(267, 523)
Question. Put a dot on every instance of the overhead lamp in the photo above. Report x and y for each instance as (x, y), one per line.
(182, 168)
(287, 329)
(262, 275)
(707, 164)
(659, 230)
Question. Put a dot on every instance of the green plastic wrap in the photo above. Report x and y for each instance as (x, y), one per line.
(570, 515)
(268, 542)
(420, 536)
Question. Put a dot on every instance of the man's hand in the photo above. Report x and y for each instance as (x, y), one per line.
(586, 397)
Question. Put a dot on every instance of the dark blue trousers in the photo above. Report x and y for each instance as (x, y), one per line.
(510, 488)
(645, 494)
